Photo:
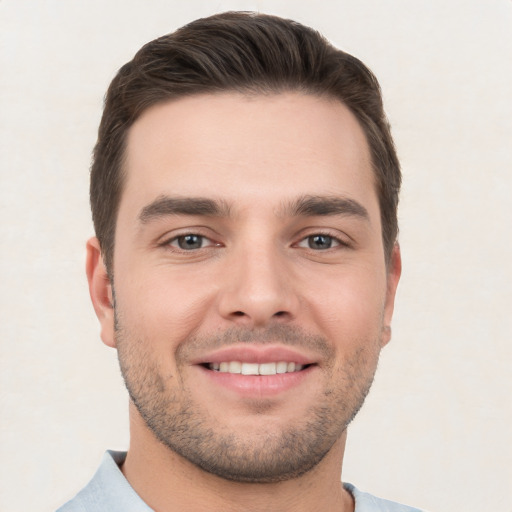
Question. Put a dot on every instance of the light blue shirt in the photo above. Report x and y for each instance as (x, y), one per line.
(110, 491)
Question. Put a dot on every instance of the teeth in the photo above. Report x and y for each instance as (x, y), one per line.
(255, 368)
(250, 369)
(282, 367)
(268, 369)
(235, 367)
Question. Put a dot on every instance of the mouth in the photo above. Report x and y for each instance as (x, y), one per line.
(257, 370)
(251, 368)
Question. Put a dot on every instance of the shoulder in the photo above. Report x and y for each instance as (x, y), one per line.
(368, 503)
(107, 490)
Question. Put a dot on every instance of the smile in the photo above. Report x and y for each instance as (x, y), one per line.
(272, 368)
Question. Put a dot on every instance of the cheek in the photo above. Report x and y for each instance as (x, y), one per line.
(349, 308)
(162, 309)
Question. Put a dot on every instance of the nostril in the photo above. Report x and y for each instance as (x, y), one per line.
(280, 313)
(239, 313)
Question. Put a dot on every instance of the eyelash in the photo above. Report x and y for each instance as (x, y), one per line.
(176, 239)
(339, 243)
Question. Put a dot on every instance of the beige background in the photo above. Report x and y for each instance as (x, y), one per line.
(435, 431)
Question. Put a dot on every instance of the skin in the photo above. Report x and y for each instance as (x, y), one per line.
(258, 280)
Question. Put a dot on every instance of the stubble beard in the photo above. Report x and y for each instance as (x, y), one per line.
(183, 426)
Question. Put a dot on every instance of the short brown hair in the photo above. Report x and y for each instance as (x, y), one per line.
(242, 52)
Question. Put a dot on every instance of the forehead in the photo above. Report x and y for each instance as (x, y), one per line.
(247, 148)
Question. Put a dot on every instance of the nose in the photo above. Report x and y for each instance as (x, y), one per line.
(258, 288)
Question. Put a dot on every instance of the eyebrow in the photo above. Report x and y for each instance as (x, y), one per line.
(311, 206)
(305, 206)
(164, 206)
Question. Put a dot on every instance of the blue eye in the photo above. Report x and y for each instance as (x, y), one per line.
(189, 242)
(319, 242)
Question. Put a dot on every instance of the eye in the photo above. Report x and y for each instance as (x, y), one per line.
(319, 242)
(190, 242)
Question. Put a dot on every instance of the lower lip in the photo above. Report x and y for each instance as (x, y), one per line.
(258, 385)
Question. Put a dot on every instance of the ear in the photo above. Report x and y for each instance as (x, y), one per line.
(393, 276)
(100, 290)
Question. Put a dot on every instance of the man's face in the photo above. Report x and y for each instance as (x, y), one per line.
(251, 291)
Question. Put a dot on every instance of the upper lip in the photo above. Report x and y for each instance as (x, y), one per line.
(254, 354)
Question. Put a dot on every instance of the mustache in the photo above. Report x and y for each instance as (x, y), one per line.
(289, 335)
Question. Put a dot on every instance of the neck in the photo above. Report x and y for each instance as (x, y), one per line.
(169, 483)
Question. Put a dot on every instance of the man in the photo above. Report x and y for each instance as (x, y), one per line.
(244, 191)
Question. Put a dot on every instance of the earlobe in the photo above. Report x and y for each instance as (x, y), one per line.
(100, 290)
(393, 276)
